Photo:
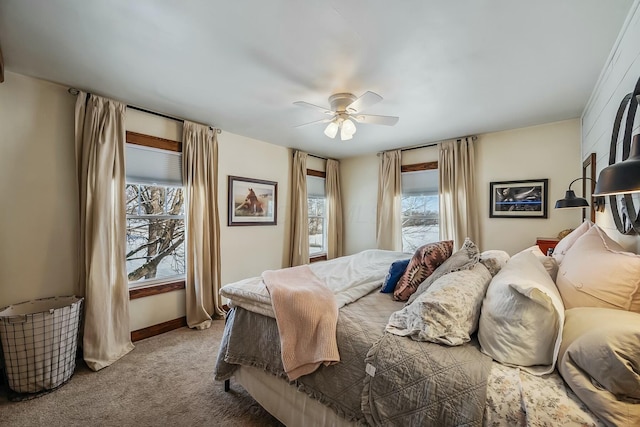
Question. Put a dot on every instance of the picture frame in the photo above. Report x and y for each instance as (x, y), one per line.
(252, 201)
(518, 199)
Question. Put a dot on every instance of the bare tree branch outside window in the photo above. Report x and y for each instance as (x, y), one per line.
(155, 232)
(420, 220)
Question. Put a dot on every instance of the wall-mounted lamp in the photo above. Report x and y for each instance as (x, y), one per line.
(572, 201)
(622, 177)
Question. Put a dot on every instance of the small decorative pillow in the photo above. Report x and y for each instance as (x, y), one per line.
(463, 259)
(567, 241)
(424, 262)
(395, 272)
(600, 360)
(447, 312)
(522, 316)
(494, 260)
(597, 272)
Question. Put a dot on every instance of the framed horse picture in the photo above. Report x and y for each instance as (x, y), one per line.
(252, 201)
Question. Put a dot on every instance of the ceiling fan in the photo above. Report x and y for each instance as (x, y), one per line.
(345, 109)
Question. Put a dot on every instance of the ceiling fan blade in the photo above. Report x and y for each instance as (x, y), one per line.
(315, 122)
(315, 107)
(376, 120)
(365, 101)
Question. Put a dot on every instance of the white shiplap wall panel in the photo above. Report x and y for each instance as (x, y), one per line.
(618, 77)
(616, 70)
(601, 124)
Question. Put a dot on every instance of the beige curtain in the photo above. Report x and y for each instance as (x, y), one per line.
(389, 215)
(299, 211)
(334, 209)
(458, 204)
(200, 177)
(99, 141)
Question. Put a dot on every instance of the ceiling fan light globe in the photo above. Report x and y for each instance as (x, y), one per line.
(331, 130)
(348, 127)
(345, 135)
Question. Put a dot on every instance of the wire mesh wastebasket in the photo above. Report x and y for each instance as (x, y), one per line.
(39, 342)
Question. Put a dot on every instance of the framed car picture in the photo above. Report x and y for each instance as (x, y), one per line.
(518, 199)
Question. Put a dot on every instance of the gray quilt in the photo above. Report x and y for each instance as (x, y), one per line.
(415, 383)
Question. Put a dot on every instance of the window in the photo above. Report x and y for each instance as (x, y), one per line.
(317, 214)
(420, 208)
(155, 233)
(155, 204)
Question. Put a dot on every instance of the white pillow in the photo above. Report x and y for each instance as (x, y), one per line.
(447, 312)
(597, 272)
(522, 316)
(548, 262)
(565, 243)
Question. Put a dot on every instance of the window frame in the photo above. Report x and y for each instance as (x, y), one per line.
(418, 167)
(320, 256)
(170, 284)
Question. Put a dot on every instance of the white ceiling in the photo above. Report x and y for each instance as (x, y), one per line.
(446, 68)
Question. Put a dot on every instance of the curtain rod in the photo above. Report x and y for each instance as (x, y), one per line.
(317, 157)
(74, 91)
(433, 144)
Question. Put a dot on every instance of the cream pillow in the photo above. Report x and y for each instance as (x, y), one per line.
(565, 243)
(597, 272)
(447, 311)
(600, 360)
(522, 316)
(548, 262)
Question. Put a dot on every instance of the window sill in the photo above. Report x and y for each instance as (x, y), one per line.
(160, 288)
(316, 258)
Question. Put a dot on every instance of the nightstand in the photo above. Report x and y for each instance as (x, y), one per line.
(547, 244)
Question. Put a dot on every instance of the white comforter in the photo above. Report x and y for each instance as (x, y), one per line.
(349, 277)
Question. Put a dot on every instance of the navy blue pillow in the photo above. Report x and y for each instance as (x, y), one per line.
(395, 273)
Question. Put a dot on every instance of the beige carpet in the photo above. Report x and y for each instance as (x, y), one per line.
(166, 380)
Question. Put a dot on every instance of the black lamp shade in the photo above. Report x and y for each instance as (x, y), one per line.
(571, 201)
(622, 177)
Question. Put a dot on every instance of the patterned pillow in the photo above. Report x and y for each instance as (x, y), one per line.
(395, 272)
(464, 259)
(447, 312)
(424, 262)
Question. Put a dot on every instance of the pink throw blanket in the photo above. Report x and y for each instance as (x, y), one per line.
(307, 314)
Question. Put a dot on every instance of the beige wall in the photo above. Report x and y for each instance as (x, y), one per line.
(549, 151)
(619, 76)
(245, 251)
(38, 232)
(359, 187)
(38, 237)
(248, 251)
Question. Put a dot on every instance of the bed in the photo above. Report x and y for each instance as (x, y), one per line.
(400, 367)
